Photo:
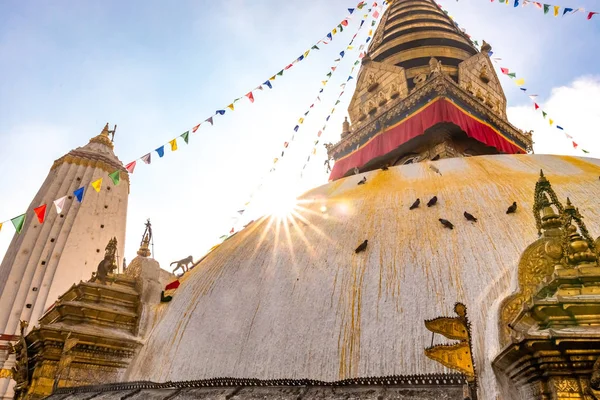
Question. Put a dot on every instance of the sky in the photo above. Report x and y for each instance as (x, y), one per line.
(158, 69)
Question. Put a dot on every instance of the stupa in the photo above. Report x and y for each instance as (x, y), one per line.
(439, 263)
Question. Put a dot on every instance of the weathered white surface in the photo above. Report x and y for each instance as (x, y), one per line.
(294, 301)
(78, 244)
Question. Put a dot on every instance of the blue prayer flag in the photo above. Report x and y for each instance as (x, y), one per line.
(161, 151)
(79, 194)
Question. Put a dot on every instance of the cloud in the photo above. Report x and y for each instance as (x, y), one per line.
(575, 108)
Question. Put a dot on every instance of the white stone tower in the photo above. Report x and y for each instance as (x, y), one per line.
(44, 260)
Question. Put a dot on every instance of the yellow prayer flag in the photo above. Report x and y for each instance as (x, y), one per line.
(230, 106)
(350, 47)
(334, 31)
(324, 83)
(0, 226)
(173, 144)
(520, 82)
(306, 53)
(301, 120)
(556, 8)
(551, 121)
(314, 150)
(371, 32)
(97, 185)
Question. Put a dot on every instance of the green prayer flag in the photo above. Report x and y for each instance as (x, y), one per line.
(185, 136)
(373, 23)
(356, 62)
(341, 28)
(512, 75)
(585, 151)
(280, 73)
(18, 222)
(544, 114)
(475, 42)
(329, 75)
(315, 47)
(116, 177)
(546, 8)
(337, 102)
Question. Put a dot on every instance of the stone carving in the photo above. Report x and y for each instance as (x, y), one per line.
(371, 82)
(108, 264)
(394, 91)
(435, 66)
(361, 113)
(420, 80)
(20, 372)
(183, 264)
(484, 74)
(486, 48)
(371, 107)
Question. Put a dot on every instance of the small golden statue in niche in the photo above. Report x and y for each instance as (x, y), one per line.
(371, 82)
(381, 98)
(435, 66)
(371, 107)
(484, 74)
(394, 91)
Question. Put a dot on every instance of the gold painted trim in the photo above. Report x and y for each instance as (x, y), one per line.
(86, 162)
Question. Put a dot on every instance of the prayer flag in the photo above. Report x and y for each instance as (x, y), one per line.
(342, 53)
(289, 66)
(209, 120)
(504, 70)
(220, 112)
(0, 226)
(173, 144)
(41, 213)
(60, 203)
(296, 128)
(556, 8)
(273, 77)
(376, 14)
(532, 96)
(285, 144)
(350, 77)
(173, 285)
(319, 134)
(301, 120)
(512, 75)
(185, 135)
(230, 107)
(280, 73)
(130, 167)
(268, 84)
(161, 151)
(116, 177)
(79, 193)
(585, 151)
(345, 22)
(520, 82)
(351, 10)
(575, 145)
(560, 127)
(567, 9)
(97, 185)
(18, 222)
(194, 129)
(315, 47)
(536, 106)
(544, 114)
(538, 5)
(551, 121)
(590, 15)
(546, 8)
(330, 36)
(250, 97)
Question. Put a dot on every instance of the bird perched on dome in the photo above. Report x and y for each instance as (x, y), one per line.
(469, 217)
(432, 201)
(446, 223)
(415, 204)
(362, 247)
(512, 209)
(362, 181)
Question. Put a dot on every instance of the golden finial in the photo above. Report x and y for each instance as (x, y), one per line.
(144, 250)
(103, 137)
(578, 245)
(544, 197)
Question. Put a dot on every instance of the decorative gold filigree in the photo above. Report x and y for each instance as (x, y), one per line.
(455, 356)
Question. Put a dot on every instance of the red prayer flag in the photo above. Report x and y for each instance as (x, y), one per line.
(345, 22)
(194, 129)
(231, 231)
(376, 14)
(285, 145)
(319, 134)
(575, 145)
(504, 70)
(173, 285)
(41, 213)
(536, 106)
(289, 66)
(591, 14)
(250, 97)
(130, 167)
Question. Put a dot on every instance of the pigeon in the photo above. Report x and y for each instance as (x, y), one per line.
(512, 208)
(362, 247)
(432, 201)
(362, 181)
(469, 217)
(447, 223)
(437, 157)
(415, 204)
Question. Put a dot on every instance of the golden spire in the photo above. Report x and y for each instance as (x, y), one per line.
(144, 250)
(103, 137)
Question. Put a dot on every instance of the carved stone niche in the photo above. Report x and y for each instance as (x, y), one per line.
(484, 74)
(372, 84)
(361, 113)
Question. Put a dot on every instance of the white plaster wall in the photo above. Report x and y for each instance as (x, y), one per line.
(292, 300)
